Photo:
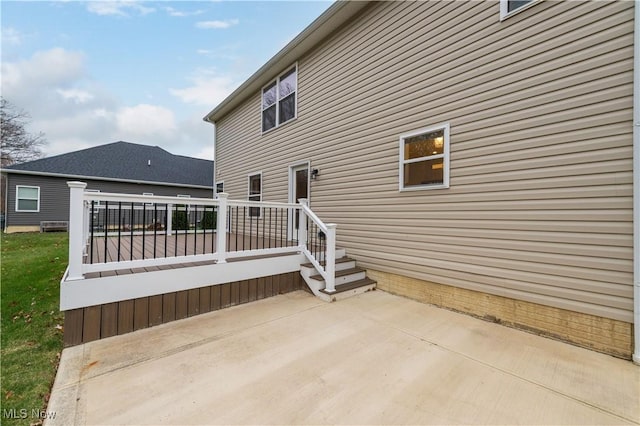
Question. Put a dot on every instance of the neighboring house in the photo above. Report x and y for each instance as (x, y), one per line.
(474, 155)
(38, 192)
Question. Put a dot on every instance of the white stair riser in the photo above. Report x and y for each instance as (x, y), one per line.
(340, 252)
(350, 278)
(310, 270)
(345, 294)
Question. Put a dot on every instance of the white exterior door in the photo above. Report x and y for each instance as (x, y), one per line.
(298, 188)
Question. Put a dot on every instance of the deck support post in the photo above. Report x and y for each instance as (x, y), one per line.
(330, 261)
(302, 224)
(76, 229)
(221, 228)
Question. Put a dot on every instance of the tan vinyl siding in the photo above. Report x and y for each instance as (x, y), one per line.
(540, 107)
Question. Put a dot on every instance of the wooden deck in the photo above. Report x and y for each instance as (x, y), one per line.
(138, 247)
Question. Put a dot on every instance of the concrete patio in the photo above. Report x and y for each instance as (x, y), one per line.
(372, 359)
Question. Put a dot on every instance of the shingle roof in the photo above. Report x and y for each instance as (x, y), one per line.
(128, 161)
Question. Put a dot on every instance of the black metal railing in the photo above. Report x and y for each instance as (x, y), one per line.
(123, 230)
(254, 228)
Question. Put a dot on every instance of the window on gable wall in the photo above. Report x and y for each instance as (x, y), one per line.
(279, 99)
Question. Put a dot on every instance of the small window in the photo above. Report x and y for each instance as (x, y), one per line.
(148, 194)
(279, 100)
(219, 187)
(424, 158)
(255, 193)
(511, 7)
(27, 198)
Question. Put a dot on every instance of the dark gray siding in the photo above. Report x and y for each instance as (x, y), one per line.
(54, 196)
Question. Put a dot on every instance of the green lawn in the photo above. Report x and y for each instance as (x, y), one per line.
(31, 334)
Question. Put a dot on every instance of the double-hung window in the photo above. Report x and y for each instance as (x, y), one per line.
(27, 198)
(279, 100)
(255, 193)
(424, 158)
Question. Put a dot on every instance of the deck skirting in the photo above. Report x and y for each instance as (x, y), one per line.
(90, 323)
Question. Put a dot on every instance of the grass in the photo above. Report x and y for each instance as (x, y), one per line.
(31, 333)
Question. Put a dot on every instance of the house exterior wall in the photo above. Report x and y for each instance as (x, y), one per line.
(54, 197)
(539, 105)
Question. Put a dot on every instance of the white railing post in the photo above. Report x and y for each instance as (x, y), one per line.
(302, 223)
(169, 214)
(221, 228)
(330, 261)
(76, 229)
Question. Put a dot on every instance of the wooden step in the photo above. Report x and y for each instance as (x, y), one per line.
(339, 273)
(350, 286)
(341, 260)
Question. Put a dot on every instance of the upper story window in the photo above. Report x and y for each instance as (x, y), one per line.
(279, 100)
(511, 7)
(424, 158)
(27, 198)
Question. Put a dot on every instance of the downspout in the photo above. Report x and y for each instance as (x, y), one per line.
(636, 184)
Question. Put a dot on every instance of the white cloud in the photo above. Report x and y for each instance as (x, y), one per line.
(75, 112)
(118, 7)
(39, 76)
(75, 95)
(11, 36)
(180, 13)
(209, 88)
(145, 120)
(217, 24)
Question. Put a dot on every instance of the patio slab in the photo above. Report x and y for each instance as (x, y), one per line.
(371, 359)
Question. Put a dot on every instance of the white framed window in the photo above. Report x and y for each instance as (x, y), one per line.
(279, 102)
(254, 193)
(219, 187)
(27, 198)
(148, 194)
(511, 7)
(188, 206)
(424, 158)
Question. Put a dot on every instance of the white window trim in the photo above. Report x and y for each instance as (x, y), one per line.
(18, 198)
(444, 156)
(148, 194)
(504, 9)
(254, 195)
(277, 81)
(96, 203)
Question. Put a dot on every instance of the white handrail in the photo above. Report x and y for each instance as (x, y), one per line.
(328, 272)
(81, 209)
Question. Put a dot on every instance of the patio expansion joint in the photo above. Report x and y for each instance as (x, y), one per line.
(514, 375)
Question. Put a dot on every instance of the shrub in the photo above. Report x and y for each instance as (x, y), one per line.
(209, 220)
(179, 219)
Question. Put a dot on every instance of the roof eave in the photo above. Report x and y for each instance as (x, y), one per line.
(334, 17)
(109, 179)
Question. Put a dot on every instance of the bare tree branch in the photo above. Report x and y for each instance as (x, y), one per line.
(17, 145)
